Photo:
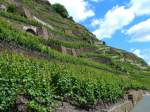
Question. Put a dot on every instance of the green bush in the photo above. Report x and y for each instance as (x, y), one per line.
(20, 75)
(12, 8)
(60, 9)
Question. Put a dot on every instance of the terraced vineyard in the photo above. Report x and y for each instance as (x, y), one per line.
(41, 82)
(38, 77)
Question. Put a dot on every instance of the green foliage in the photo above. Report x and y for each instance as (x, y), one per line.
(60, 9)
(79, 81)
(10, 34)
(86, 91)
(42, 81)
(12, 8)
(68, 44)
(18, 18)
(22, 19)
(19, 75)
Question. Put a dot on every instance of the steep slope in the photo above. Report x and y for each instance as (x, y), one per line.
(46, 59)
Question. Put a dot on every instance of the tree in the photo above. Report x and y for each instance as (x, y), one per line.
(60, 9)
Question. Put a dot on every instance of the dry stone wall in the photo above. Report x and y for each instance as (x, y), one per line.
(132, 98)
(102, 60)
(125, 106)
(42, 31)
(65, 50)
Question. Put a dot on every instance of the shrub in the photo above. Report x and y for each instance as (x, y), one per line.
(12, 8)
(60, 9)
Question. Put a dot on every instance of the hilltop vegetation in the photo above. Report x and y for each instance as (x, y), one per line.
(55, 59)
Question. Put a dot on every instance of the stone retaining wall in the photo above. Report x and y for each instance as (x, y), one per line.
(127, 106)
(102, 60)
(132, 98)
